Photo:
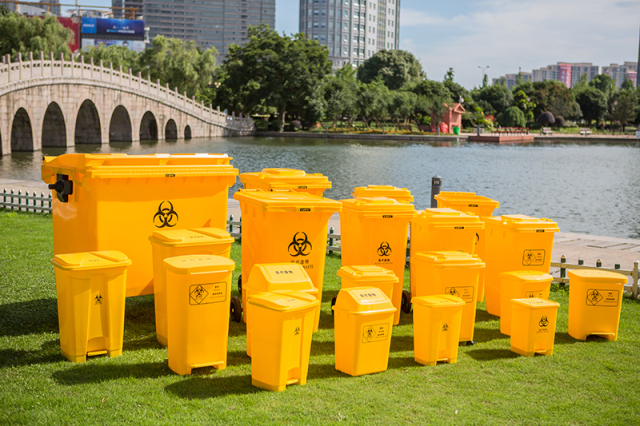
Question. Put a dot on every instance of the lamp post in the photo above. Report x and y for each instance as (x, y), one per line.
(484, 69)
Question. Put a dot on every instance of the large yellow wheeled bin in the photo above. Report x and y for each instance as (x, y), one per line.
(296, 180)
(198, 298)
(282, 326)
(595, 302)
(402, 195)
(373, 231)
(515, 243)
(444, 230)
(436, 328)
(534, 326)
(91, 292)
(181, 242)
(116, 201)
(520, 285)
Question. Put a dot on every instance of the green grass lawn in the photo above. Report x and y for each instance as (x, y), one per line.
(594, 382)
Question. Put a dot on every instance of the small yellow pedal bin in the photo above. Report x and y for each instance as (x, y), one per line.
(436, 328)
(533, 326)
(91, 291)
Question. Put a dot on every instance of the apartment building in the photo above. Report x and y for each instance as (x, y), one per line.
(620, 73)
(510, 80)
(567, 73)
(352, 30)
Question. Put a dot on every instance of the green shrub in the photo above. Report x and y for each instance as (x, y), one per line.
(276, 125)
(513, 117)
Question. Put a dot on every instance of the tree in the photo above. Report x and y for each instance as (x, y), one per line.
(402, 105)
(493, 100)
(513, 117)
(485, 81)
(448, 77)
(437, 108)
(373, 101)
(627, 85)
(433, 89)
(522, 101)
(457, 91)
(553, 96)
(4, 10)
(593, 104)
(20, 34)
(624, 107)
(116, 55)
(396, 68)
(546, 118)
(603, 83)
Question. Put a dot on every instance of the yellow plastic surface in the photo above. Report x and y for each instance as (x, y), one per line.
(595, 301)
(515, 243)
(198, 304)
(285, 226)
(436, 328)
(363, 322)
(454, 273)
(281, 328)
(520, 285)
(374, 231)
(402, 195)
(296, 180)
(444, 229)
(90, 288)
(369, 276)
(119, 200)
(180, 242)
(467, 202)
(266, 278)
(534, 326)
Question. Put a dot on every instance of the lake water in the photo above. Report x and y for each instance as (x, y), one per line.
(591, 188)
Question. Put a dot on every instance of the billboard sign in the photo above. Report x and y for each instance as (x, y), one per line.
(125, 27)
(73, 25)
(134, 45)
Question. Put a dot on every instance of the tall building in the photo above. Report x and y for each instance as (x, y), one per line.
(583, 68)
(352, 30)
(55, 10)
(567, 73)
(211, 23)
(620, 73)
(511, 80)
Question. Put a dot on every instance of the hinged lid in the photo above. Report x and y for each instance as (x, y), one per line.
(199, 263)
(595, 276)
(367, 274)
(287, 201)
(400, 194)
(470, 199)
(363, 300)
(284, 301)
(448, 218)
(90, 260)
(527, 276)
(448, 259)
(191, 237)
(439, 301)
(535, 303)
(280, 276)
(379, 205)
(287, 178)
(523, 223)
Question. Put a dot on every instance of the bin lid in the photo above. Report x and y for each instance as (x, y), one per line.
(470, 198)
(400, 194)
(286, 200)
(449, 259)
(448, 217)
(523, 223)
(527, 276)
(595, 276)
(368, 273)
(280, 276)
(379, 205)
(90, 260)
(287, 179)
(191, 237)
(284, 301)
(535, 303)
(437, 301)
(199, 263)
(113, 166)
(363, 300)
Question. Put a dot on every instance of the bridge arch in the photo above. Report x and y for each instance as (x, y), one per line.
(187, 132)
(88, 128)
(21, 131)
(120, 129)
(171, 130)
(148, 127)
(54, 129)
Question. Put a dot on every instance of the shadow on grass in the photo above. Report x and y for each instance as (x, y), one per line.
(32, 317)
(95, 373)
(237, 358)
(566, 339)
(237, 328)
(484, 316)
(491, 354)
(49, 352)
(487, 335)
(212, 387)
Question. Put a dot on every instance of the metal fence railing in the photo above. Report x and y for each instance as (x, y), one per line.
(26, 202)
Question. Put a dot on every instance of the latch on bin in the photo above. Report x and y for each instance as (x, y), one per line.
(63, 187)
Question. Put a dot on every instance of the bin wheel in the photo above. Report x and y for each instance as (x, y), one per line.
(240, 283)
(236, 309)
(333, 302)
(406, 302)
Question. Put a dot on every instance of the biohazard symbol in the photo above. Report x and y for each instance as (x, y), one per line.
(384, 249)
(543, 322)
(454, 292)
(300, 246)
(199, 294)
(369, 333)
(296, 331)
(165, 216)
(445, 327)
(594, 297)
(98, 299)
(528, 257)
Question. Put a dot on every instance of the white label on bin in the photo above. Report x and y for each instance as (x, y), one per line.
(204, 294)
(464, 293)
(375, 333)
(537, 293)
(604, 298)
(533, 257)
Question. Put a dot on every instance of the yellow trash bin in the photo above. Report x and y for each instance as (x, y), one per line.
(363, 320)
(91, 292)
(369, 276)
(373, 231)
(595, 301)
(515, 243)
(268, 278)
(296, 180)
(436, 328)
(285, 226)
(534, 326)
(115, 201)
(282, 326)
(449, 272)
(520, 285)
(198, 301)
(444, 230)
(402, 195)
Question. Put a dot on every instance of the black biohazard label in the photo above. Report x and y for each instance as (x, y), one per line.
(544, 322)
(533, 257)
(204, 294)
(300, 246)
(98, 299)
(465, 293)
(166, 216)
(384, 250)
(445, 327)
(603, 298)
(540, 294)
(375, 333)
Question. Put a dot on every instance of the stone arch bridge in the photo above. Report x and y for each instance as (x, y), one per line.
(57, 103)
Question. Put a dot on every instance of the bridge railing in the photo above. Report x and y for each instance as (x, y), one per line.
(21, 70)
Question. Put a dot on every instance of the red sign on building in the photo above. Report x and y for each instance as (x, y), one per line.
(74, 25)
